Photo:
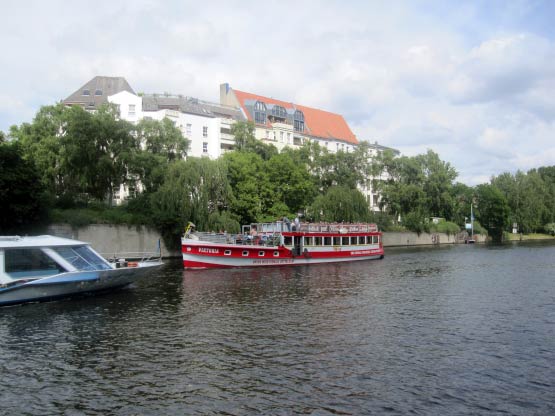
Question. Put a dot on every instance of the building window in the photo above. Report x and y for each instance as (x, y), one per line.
(188, 129)
(204, 147)
(86, 92)
(279, 112)
(204, 131)
(260, 112)
(298, 120)
(98, 92)
(131, 109)
(289, 138)
(281, 136)
(267, 134)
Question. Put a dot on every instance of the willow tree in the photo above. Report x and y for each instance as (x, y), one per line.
(339, 204)
(192, 191)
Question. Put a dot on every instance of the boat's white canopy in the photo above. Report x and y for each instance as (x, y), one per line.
(37, 241)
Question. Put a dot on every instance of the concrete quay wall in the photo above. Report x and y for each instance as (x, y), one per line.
(120, 240)
(132, 241)
(397, 239)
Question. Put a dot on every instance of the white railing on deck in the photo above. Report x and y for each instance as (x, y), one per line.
(320, 227)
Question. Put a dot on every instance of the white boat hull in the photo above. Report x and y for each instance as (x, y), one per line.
(72, 283)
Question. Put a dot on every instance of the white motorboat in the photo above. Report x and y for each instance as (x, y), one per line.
(42, 268)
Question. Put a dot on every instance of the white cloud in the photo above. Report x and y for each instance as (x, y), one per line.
(470, 81)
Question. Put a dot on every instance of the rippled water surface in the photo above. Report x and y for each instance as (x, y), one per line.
(458, 330)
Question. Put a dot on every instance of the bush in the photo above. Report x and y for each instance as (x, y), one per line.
(549, 228)
(446, 227)
(382, 220)
(223, 222)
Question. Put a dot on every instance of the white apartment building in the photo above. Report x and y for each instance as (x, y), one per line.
(208, 125)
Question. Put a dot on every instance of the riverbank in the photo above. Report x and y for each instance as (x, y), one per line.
(125, 241)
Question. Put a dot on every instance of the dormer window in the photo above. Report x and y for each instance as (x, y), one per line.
(298, 121)
(98, 92)
(279, 112)
(260, 112)
(86, 92)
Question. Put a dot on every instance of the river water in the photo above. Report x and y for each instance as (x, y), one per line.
(454, 330)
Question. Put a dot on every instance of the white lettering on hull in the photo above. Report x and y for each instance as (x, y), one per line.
(208, 250)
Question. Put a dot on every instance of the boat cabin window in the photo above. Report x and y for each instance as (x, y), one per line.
(82, 258)
(345, 241)
(375, 239)
(287, 241)
(317, 241)
(361, 240)
(336, 241)
(327, 241)
(307, 241)
(29, 262)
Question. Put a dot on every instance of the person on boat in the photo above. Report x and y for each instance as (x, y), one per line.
(287, 223)
(297, 226)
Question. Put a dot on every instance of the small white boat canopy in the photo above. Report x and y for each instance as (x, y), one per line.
(37, 241)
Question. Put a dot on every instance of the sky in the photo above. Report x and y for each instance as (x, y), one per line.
(473, 81)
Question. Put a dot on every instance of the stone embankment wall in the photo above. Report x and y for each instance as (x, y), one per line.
(391, 239)
(116, 240)
(124, 241)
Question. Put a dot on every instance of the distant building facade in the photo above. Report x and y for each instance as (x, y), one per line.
(207, 125)
(284, 123)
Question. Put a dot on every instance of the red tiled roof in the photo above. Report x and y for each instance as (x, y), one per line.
(318, 123)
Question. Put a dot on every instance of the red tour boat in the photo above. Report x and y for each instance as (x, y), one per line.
(275, 244)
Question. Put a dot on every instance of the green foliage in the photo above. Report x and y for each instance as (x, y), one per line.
(223, 221)
(253, 192)
(384, 221)
(78, 157)
(245, 140)
(161, 144)
(192, 191)
(290, 182)
(99, 214)
(416, 221)
(23, 201)
(339, 204)
(446, 227)
(492, 210)
(420, 184)
(549, 228)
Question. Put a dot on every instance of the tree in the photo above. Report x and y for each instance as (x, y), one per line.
(527, 196)
(290, 182)
(193, 190)
(161, 142)
(79, 153)
(437, 183)
(492, 210)
(41, 146)
(22, 199)
(252, 191)
(339, 204)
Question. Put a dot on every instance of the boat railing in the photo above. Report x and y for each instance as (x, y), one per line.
(319, 227)
(267, 239)
(339, 227)
(140, 256)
